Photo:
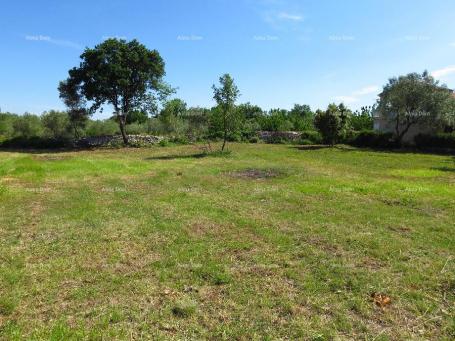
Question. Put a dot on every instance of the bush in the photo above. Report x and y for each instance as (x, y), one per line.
(102, 128)
(28, 125)
(136, 128)
(6, 125)
(278, 139)
(56, 124)
(329, 123)
(311, 136)
(435, 141)
(164, 143)
(179, 140)
(373, 139)
(306, 142)
(36, 142)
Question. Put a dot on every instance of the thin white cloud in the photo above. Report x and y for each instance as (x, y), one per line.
(59, 42)
(281, 15)
(452, 44)
(357, 95)
(443, 72)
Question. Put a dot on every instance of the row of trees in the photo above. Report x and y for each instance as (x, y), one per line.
(178, 121)
(128, 78)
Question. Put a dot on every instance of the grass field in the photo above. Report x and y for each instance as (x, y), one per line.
(269, 242)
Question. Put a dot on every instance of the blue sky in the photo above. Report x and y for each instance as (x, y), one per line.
(280, 52)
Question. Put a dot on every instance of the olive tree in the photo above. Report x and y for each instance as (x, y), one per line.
(56, 123)
(414, 99)
(125, 75)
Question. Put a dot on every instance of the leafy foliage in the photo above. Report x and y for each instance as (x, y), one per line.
(373, 139)
(363, 119)
(225, 115)
(435, 141)
(56, 124)
(415, 99)
(27, 125)
(125, 75)
(332, 122)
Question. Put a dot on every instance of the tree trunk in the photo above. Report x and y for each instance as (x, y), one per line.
(224, 140)
(76, 132)
(401, 135)
(225, 130)
(122, 124)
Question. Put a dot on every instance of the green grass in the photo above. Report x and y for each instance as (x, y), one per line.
(268, 242)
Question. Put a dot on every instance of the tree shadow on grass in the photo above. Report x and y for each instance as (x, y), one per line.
(450, 169)
(444, 169)
(404, 150)
(177, 157)
(314, 147)
(44, 151)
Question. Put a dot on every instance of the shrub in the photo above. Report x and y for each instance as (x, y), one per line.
(101, 128)
(306, 142)
(164, 143)
(179, 140)
(136, 128)
(36, 142)
(28, 125)
(373, 139)
(277, 139)
(6, 125)
(329, 123)
(56, 124)
(435, 141)
(311, 136)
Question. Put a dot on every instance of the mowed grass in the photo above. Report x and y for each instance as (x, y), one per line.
(270, 242)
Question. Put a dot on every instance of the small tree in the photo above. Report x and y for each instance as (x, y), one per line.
(28, 125)
(363, 119)
(71, 94)
(331, 123)
(56, 123)
(412, 100)
(6, 125)
(226, 96)
(123, 74)
(302, 117)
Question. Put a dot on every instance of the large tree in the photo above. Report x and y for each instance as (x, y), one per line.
(125, 75)
(414, 99)
(225, 96)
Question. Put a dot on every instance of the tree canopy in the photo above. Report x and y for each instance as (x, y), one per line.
(415, 99)
(225, 96)
(332, 122)
(125, 75)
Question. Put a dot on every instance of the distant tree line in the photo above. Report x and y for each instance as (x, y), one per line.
(127, 78)
(178, 121)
